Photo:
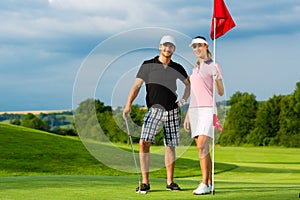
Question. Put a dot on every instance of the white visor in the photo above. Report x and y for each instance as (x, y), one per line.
(198, 41)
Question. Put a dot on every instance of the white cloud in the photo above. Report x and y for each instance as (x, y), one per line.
(91, 5)
(266, 17)
(70, 18)
(44, 36)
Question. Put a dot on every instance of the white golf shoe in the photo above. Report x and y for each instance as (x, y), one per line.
(202, 189)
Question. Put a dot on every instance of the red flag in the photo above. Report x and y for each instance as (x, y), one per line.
(224, 21)
(216, 123)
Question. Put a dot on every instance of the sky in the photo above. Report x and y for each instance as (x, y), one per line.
(56, 53)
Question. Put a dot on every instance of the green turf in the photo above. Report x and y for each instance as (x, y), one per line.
(27, 151)
(38, 165)
(115, 188)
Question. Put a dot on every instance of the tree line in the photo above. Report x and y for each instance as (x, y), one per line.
(53, 122)
(274, 122)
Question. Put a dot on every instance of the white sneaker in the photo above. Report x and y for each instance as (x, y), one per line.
(202, 189)
(211, 189)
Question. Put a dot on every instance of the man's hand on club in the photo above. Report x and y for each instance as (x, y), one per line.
(126, 112)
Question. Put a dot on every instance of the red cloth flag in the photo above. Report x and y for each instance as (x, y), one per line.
(217, 124)
(224, 21)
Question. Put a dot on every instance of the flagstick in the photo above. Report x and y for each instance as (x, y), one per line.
(213, 110)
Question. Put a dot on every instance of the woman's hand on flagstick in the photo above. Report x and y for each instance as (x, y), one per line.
(215, 73)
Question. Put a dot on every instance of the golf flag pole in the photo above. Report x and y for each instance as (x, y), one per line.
(221, 23)
(213, 112)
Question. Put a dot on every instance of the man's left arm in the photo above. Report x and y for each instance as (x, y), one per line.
(186, 93)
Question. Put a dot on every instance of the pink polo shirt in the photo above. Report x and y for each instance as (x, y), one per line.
(202, 84)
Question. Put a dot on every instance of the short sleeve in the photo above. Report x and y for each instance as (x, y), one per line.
(182, 72)
(143, 72)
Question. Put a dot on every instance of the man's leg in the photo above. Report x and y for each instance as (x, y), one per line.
(152, 122)
(171, 140)
(170, 163)
(145, 160)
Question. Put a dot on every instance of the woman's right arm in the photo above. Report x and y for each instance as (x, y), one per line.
(186, 124)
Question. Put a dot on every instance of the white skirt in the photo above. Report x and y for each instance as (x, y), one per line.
(201, 121)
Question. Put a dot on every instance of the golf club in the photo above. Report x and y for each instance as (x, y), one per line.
(132, 148)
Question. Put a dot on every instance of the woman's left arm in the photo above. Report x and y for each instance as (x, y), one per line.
(217, 76)
(219, 87)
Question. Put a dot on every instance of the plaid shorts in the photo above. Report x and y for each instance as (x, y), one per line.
(154, 118)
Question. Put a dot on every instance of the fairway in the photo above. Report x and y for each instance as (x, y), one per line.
(109, 187)
(38, 165)
(274, 175)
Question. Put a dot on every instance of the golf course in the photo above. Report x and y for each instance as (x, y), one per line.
(39, 165)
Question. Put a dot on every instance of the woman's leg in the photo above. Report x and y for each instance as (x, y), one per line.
(204, 156)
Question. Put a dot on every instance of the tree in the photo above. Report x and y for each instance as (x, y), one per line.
(94, 120)
(86, 121)
(240, 119)
(267, 123)
(137, 114)
(32, 121)
(289, 133)
(16, 121)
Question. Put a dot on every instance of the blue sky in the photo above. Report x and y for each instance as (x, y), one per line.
(46, 44)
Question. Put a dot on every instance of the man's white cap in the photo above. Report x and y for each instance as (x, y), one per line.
(167, 38)
(198, 41)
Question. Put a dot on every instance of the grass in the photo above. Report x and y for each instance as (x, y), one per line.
(109, 187)
(39, 165)
(28, 152)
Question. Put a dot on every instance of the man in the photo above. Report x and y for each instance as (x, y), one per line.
(160, 75)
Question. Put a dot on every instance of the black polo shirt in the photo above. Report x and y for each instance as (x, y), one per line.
(161, 83)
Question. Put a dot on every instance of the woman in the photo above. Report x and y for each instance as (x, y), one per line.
(199, 120)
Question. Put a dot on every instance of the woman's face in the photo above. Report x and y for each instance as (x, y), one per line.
(200, 50)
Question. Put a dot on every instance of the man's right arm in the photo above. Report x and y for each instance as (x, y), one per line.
(138, 82)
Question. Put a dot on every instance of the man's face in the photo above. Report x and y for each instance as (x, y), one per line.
(167, 49)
